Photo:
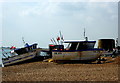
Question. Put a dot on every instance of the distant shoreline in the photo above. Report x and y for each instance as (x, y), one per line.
(5, 47)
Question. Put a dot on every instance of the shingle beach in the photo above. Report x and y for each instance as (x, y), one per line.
(50, 71)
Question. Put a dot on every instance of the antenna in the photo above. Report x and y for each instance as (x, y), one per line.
(61, 38)
(23, 40)
(84, 32)
(86, 38)
(60, 34)
(54, 41)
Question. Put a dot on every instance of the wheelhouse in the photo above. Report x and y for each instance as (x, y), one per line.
(80, 45)
(26, 49)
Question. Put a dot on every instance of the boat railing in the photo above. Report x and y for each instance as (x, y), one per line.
(5, 54)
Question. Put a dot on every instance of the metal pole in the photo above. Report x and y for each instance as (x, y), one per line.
(54, 41)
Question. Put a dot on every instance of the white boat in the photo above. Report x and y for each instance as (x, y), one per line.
(21, 54)
(76, 51)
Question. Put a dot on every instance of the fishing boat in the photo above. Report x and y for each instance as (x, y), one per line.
(21, 54)
(83, 51)
(76, 50)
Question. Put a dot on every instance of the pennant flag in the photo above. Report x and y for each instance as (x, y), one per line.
(58, 38)
(13, 47)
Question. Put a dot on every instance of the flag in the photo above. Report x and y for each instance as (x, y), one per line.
(58, 38)
(13, 47)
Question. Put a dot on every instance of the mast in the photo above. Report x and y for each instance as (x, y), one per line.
(84, 32)
(86, 38)
(61, 38)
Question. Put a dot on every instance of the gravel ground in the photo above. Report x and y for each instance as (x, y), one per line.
(45, 71)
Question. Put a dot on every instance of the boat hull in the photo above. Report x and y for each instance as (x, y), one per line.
(76, 55)
(19, 58)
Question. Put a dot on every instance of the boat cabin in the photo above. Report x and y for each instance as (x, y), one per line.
(25, 49)
(56, 47)
(80, 45)
(74, 45)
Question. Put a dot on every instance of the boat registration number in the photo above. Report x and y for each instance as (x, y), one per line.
(57, 53)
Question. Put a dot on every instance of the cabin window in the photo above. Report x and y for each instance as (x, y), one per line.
(91, 45)
(85, 45)
(73, 46)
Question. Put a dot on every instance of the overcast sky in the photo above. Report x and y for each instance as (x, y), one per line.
(38, 22)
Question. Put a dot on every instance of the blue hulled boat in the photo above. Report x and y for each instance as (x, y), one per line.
(21, 54)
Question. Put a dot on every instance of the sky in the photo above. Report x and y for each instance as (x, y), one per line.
(39, 21)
